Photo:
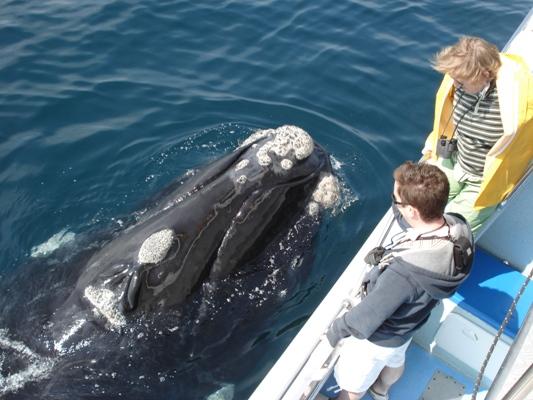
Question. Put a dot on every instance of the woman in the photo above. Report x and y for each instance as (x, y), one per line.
(482, 135)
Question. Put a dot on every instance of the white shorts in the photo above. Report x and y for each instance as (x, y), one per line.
(361, 362)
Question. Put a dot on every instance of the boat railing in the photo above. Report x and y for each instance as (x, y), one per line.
(515, 378)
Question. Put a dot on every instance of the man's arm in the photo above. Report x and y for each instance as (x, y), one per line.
(390, 292)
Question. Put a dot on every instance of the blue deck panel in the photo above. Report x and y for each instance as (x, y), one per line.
(489, 291)
(419, 368)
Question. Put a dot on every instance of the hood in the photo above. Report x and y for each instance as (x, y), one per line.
(430, 263)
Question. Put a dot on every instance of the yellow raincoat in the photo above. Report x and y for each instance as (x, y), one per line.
(510, 156)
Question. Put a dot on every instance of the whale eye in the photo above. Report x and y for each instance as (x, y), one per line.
(155, 248)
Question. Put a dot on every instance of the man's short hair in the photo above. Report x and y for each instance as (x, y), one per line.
(423, 186)
(468, 58)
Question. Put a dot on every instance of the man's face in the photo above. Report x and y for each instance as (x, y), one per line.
(397, 200)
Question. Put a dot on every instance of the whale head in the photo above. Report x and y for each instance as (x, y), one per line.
(208, 226)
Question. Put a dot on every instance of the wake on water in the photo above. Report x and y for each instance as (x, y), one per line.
(55, 242)
(38, 367)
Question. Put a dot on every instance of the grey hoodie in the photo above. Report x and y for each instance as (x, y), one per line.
(403, 289)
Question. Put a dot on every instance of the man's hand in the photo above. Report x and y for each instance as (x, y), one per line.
(333, 335)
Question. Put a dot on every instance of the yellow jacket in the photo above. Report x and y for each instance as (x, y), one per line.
(510, 156)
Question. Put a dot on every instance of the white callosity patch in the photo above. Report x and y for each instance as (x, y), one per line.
(155, 248)
(38, 367)
(327, 192)
(313, 208)
(286, 164)
(262, 154)
(241, 164)
(242, 179)
(287, 142)
(106, 303)
(257, 135)
(289, 137)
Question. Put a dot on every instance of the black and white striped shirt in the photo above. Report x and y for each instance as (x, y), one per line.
(479, 126)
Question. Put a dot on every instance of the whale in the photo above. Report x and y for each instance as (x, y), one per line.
(188, 251)
(207, 227)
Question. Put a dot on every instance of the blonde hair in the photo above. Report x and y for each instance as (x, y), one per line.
(468, 59)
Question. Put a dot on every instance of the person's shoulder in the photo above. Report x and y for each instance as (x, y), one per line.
(455, 218)
(457, 222)
(462, 239)
(459, 227)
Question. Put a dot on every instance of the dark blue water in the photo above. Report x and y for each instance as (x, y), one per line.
(104, 103)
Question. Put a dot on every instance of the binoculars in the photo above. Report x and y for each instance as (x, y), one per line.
(446, 147)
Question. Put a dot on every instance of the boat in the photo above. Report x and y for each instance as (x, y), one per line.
(478, 344)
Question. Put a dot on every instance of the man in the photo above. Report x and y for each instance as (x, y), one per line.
(485, 107)
(410, 275)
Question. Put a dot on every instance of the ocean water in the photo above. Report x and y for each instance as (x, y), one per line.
(104, 103)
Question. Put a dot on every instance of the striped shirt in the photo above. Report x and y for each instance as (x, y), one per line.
(479, 126)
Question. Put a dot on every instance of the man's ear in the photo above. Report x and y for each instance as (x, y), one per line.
(413, 212)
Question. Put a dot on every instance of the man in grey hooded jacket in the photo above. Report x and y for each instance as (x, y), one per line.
(424, 263)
